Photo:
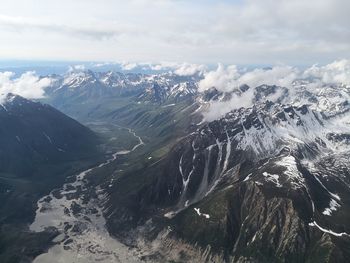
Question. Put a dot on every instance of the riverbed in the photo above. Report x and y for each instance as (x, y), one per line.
(78, 216)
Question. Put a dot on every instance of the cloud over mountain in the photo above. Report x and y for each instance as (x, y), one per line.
(228, 80)
(28, 85)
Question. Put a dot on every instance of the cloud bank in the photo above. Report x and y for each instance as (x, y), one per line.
(242, 32)
(86, 31)
(228, 80)
(337, 72)
(180, 69)
(187, 69)
(28, 85)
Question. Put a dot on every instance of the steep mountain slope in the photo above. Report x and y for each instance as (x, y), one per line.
(159, 107)
(267, 183)
(35, 133)
(40, 148)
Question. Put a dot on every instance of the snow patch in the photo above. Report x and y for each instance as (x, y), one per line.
(272, 178)
(201, 214)
(333, 205)
(328, 230)
(293, 175)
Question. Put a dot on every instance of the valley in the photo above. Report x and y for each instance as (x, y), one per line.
(268, 182)
(75, 211)
(172, 131)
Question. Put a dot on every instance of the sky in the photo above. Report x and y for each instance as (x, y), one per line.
(247, 32)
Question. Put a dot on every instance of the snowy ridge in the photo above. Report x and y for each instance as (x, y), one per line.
(78, 79)
(283, 125)
(272, 130)
(170, 86)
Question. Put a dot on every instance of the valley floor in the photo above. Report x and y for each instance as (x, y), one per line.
(75, 211)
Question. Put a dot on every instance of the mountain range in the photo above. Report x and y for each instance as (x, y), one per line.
(267, 181)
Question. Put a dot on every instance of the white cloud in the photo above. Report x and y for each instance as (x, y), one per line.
(28, 85)
(128, 65)
(88, 31)
(187, 69)
(223, 79)
(218, 109)
(99, 65)
(333, 73)
(226, 79)
(79, 67)
(181, 69)
(248, 31)
(229, 79)
(279, 75)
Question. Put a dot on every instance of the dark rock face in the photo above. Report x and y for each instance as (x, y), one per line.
(266, 184)
(33, 133)
(39, 148)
